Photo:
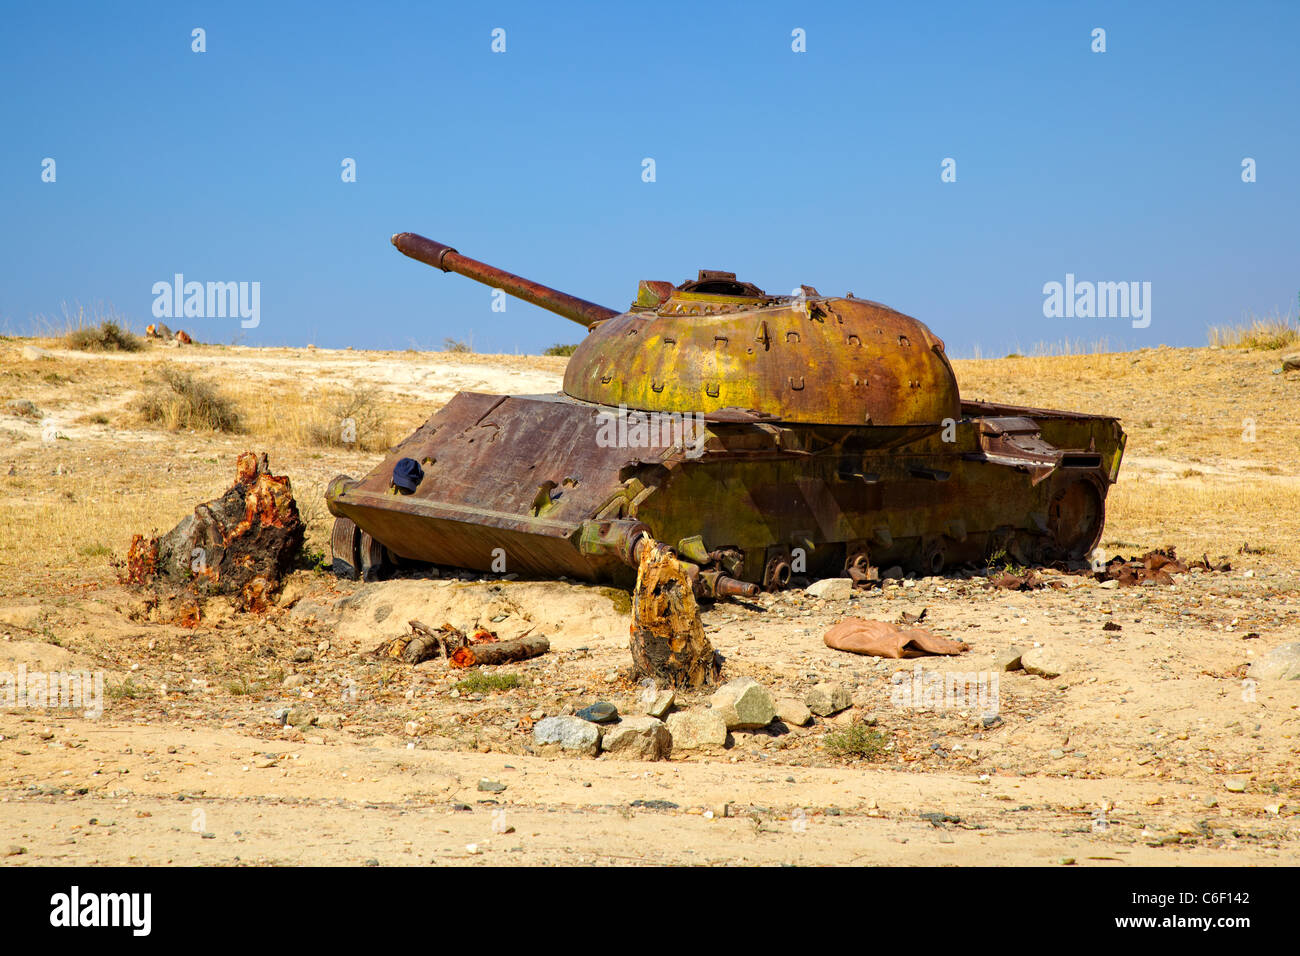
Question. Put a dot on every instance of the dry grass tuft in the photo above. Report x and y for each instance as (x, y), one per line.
(182, 400)
(92, 330)
(1263, 334)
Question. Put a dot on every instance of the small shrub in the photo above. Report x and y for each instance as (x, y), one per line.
(858, 740)
(127, 690)
(561, 350)
(183, 401)
(456, 345)
(352, 421)
(108, 336)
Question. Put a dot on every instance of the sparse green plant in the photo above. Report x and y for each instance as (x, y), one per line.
(478, 682)
(1000, 562)
(242, 687)
(561, 350)
(182, 400)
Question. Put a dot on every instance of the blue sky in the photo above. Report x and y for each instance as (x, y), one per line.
(820, 167)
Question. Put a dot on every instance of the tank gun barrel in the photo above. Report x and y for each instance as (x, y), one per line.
(449, 260)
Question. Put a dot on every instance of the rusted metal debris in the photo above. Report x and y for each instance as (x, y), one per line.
(1159, 566)
(882, 639)
(241, 544)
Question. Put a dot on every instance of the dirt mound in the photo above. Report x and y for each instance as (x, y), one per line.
(570, 615)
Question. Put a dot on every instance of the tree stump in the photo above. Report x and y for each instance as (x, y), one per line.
(668, 641)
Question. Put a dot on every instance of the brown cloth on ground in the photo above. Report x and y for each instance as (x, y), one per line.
(882, 639)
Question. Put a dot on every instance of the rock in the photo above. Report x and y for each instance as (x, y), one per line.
(599, 713)
(830, 589)
(31, 353)
(1236, 784)
(1042, 661)
(697, 729)
(638, 738)
(491, 786)
(293, 680)
(1281, 663)
(15, 850)
(892, 573)
(1290, 363)
(567, 733)
(330, 721)
(1009, 660)
(743, 704)
(300, 717)
(302, 655)
(662, 703)
(793, 712)
(827, 698)
(290, 595)
(1110, 585)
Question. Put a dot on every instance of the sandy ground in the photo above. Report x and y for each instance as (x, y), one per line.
(1151, 747)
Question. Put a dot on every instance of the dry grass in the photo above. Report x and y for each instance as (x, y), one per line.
(1204, 517)
(357, 418)
(181, 400)
(1268, 334)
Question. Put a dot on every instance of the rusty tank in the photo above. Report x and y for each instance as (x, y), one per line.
(763, 437)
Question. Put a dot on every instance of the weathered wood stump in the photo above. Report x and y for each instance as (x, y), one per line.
(668, 641)
(241, 544)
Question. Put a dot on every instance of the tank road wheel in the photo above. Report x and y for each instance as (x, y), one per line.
(1075, 518)
(934, 556)
(374, 558)
(776, 575)
(345, 549)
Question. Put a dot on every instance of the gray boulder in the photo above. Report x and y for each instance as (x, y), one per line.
(571, 734)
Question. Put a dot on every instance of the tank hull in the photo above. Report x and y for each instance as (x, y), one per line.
(531, 485)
